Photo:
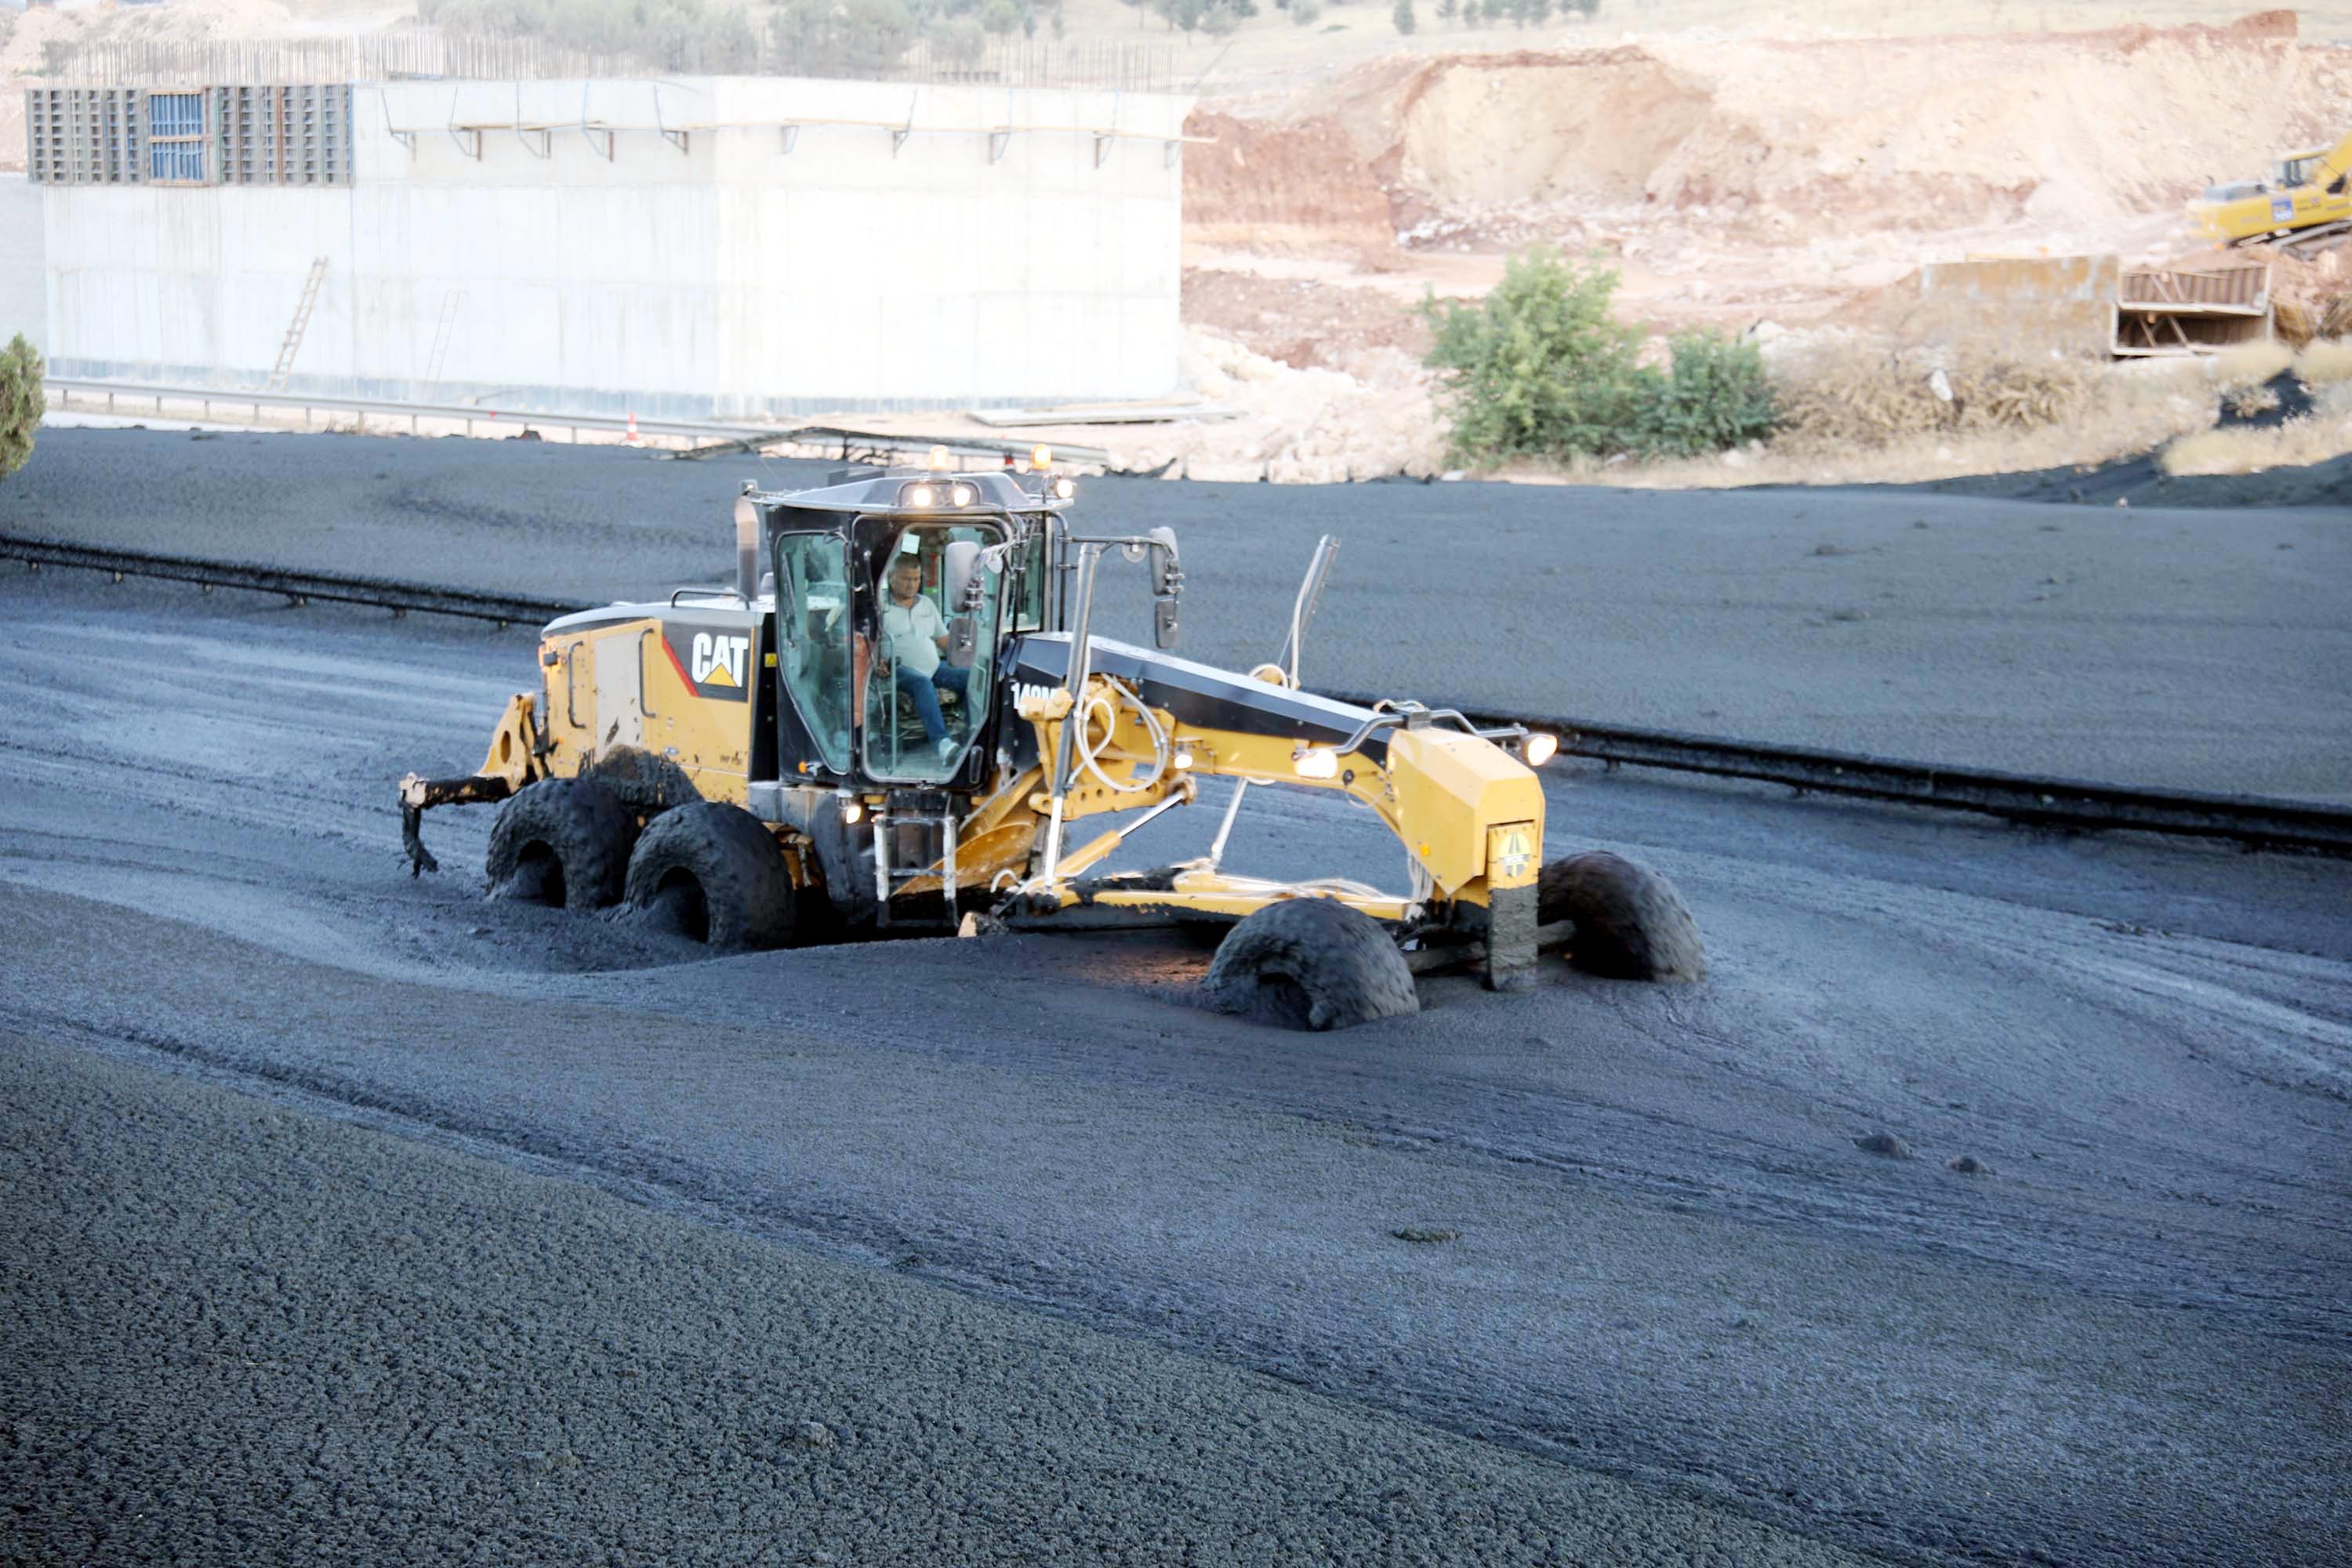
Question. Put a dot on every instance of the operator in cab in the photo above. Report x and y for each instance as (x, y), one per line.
(916, 635)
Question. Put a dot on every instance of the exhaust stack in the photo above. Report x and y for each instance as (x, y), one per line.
(747, 546)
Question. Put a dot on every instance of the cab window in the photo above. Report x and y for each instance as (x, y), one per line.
(1027, 611)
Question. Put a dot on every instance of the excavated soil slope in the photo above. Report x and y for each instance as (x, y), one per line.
(1786, 139)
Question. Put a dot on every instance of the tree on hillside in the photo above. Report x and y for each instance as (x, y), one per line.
(21, 403)
(1403, 18)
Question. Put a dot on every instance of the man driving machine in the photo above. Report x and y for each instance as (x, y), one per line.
(917, 637)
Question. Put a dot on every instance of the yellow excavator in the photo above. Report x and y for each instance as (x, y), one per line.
(890, 721)
(2306, 198)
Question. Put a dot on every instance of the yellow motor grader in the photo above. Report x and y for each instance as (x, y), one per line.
(894, 718)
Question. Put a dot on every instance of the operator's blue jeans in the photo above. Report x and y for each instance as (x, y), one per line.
(923, 691)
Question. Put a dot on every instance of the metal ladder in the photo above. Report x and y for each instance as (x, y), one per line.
(888, 877)
(294, 329)
(441, 331)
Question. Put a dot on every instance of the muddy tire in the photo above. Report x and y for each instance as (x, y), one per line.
(1630, 924)
(1311, 964)
(712, 872)
(561, 841)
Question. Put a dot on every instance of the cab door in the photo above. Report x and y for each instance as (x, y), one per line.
(816, 662)
(621, 688)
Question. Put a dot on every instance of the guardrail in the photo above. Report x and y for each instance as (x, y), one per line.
(714, 434)
(206, 397)
(297, 586)
(2253, 821)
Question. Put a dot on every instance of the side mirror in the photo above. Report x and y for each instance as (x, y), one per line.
(1167, 587)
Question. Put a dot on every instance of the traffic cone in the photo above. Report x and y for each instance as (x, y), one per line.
(632, 438)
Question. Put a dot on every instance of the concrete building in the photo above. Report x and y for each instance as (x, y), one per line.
(696, 248)
(24, 265)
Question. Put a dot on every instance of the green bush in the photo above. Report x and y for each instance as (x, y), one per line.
(1715, 396)
(21, 403)
(1542, 368)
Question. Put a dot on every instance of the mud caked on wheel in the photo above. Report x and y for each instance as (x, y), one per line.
(712, 872)
(561, 841)
(1311, 964)
(1630, 924)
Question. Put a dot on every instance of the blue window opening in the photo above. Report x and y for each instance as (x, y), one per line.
(175, 131)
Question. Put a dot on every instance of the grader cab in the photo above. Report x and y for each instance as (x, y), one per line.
(896, 718)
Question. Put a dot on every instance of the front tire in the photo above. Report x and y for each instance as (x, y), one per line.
(1311, 964)
(712, 872)
(1630, 924)
(561, 841)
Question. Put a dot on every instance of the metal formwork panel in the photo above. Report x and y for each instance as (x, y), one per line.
(86, 135)
(277, 135)
(286, 135)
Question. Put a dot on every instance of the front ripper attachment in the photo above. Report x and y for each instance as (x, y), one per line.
(517, 757)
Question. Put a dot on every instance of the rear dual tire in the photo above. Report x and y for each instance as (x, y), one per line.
(713, 872)
(564, 842)
(706, 870)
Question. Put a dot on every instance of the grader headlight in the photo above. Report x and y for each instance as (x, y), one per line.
(1315, 762)
(1538, 748)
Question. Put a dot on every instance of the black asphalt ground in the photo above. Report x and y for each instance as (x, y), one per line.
(425, 1178)
(241, 1332)
(2193, 648)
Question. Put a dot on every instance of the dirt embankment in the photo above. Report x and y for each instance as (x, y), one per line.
(1269, 186)
(1775, 140)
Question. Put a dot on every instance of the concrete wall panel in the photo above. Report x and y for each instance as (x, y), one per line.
(725, 276)
(24, 263)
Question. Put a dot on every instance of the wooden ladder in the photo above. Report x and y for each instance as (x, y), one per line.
(294, 329)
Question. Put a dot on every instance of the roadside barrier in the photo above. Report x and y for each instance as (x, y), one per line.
(68, 393)
(2080, 805)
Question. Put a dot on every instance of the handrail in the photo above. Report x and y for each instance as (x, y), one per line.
(712, 430)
